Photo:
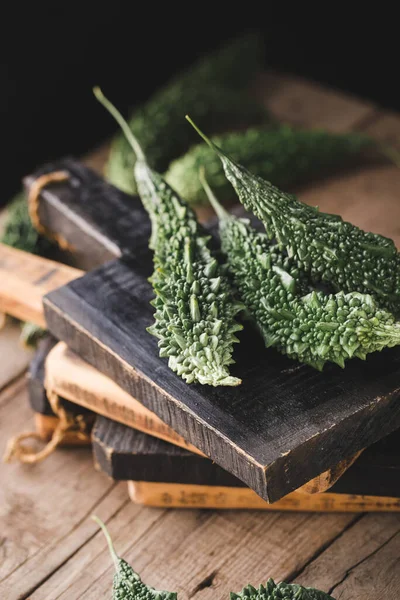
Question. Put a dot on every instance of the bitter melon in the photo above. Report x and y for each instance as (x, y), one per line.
(19, 231)
(211, 89)
(280, 591)
(281, 154)
(323, 245)
(195, 311)
(314, 328)
(127, 583)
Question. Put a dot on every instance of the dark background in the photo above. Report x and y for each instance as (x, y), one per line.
(53, 54)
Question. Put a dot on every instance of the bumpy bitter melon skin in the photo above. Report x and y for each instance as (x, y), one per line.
(280, 591)
(211, 89)
(195, 316)
(195, 311)
(281, 154)
(323, 245)
(127, 585)
(314, 328)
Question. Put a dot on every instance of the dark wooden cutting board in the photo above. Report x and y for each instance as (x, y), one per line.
(283, 426)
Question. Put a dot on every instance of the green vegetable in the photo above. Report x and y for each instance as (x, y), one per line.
(211, 89)
(313, 329)
(280, 591)
(328, 248)
(31, 334)
(127, 583)
(19, 231)
(280, 154)
(195, 312)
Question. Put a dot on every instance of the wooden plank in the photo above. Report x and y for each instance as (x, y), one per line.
(98, 221)
(184, 549)
(359, 564)
(74, 380)
(124, 453)
(305, 103)
(180, 495)
(44, 510)
(45, 426)
(275, 437)
(377, 577)
(117, 448)
(14, 357)
(25, 279)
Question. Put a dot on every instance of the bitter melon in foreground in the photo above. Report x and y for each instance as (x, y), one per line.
(323, 245)
(281, 154)
(212, 89)
(195, 311)
(314, 328)
(280, 591)
(128, 585)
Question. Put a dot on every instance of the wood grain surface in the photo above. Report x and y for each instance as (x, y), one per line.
(25, 279)
(72, 379)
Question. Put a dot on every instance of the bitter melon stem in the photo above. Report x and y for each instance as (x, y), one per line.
(203, 135)
(114, 112)
(114, 555)
(219, 209)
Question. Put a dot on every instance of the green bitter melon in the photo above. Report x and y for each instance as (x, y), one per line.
(19, 231)
(195, 311)
(314, 328)
(212, 89)
(323, 245)
(281, 154)
(280, 591)
(127, 584)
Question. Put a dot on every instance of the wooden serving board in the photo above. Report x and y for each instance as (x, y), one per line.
(126, 454)
(371, 483)
(177, 495)
(81, 389)
(274, 438)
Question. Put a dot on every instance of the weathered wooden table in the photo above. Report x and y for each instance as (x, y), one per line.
(50, 549)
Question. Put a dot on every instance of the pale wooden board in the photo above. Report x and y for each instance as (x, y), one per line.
(177, 495)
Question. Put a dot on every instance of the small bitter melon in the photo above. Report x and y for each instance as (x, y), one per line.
(127, 583)
(279, 153)
(212, 89)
